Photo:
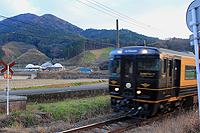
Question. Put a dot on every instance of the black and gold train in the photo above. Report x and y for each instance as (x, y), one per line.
(146, 80)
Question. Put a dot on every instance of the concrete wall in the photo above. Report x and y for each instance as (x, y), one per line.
(61, 96)
(15, 103)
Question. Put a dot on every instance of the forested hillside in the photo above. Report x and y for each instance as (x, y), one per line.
(57, 38)
(176, 44)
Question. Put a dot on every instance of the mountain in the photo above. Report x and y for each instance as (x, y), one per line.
(32, 23)
(57, 38)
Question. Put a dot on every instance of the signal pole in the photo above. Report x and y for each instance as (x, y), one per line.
(193, 25)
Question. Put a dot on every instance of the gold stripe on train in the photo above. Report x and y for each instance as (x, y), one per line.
(164, 88)
(114, 85)
(148, 101)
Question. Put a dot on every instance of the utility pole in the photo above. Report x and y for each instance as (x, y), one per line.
(117, 34)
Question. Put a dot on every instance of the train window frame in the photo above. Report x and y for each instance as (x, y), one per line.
(170, 66)
(164, 68)
(117, 70)
(129, 67)
(191, 76)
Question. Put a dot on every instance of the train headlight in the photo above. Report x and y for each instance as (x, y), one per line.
(144, 51)
(128, 85)
(119, 51)
(138, 92)
(116, 89)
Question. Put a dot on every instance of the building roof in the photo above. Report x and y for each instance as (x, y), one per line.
(57, 65)
(32, 66)
(29, 66)
(47, 64)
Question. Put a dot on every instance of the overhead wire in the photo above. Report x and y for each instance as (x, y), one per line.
(83, 9)
(117, 14)
(142, 15)
(111, 15)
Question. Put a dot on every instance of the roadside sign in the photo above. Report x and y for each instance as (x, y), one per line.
(7, 76)
(6, 67)
(195, 4)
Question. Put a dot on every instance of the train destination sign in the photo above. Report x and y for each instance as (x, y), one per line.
(129, 50)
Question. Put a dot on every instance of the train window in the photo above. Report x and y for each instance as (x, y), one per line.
(190, 72)
(148, 64)
(115, 66)
(164, 68)
(170, 67)
(129, 68)
(175, 70)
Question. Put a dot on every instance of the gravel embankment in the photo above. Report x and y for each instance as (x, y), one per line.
(20, 83)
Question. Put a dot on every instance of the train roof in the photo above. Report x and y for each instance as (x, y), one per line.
(134, 50)
(178, 53)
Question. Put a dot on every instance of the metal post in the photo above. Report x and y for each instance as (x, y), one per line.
(8, 91)
(117, 33)
(196, 48)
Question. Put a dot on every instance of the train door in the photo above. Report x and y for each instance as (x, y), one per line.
(128, 76)
(169, 77)
(176, 77)
(177, 69)
(172, 67)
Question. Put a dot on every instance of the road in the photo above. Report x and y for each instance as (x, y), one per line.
(48, 90)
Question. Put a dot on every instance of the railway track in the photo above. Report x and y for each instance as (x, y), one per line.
(117, 125)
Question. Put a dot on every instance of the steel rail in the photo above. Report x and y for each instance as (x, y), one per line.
(98, 124)
(122, 129)
(143, 122)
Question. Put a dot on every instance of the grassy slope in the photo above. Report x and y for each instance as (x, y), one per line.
(21, 54)
(15, 49)
(32, 55)
(89, 56)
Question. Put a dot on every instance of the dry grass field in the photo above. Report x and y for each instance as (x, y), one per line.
(184, 122)
(22, 83)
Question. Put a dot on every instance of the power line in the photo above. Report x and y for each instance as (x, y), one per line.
(118, 13)
(123, 17)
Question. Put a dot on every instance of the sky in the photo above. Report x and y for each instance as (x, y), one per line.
(155, 18)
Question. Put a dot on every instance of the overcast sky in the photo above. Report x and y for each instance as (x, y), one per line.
(154, 18)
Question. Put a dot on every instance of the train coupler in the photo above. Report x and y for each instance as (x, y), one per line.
(137, 111)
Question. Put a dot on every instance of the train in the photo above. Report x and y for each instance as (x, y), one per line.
(145, 81)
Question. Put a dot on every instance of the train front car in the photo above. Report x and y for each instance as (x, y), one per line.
(133, 78)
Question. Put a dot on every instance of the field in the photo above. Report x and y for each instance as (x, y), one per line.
(72, 113)
(23, 83)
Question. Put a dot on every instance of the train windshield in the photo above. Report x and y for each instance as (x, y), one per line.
(148, 64)
(115, 66)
